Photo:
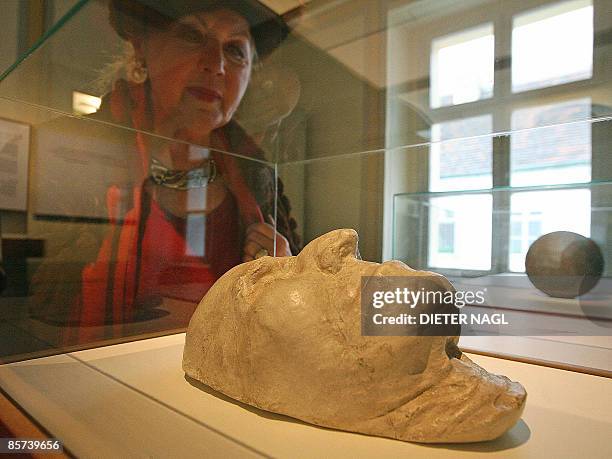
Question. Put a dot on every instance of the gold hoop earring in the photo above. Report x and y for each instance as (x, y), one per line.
(138, 71)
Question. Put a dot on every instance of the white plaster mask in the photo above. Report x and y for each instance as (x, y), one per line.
(284, 335)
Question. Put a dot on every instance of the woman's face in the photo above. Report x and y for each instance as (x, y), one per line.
(199, 69)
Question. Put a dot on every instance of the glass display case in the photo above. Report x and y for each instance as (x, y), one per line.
(453, 136)
(449, 145)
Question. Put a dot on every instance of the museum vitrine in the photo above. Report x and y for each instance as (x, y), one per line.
(147, 147)
(453, 136)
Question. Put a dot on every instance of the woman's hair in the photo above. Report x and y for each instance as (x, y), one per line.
(121, 67)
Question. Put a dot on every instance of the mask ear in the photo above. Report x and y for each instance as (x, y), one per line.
(331, 250)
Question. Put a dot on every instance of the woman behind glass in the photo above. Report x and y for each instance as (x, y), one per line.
(186, 214)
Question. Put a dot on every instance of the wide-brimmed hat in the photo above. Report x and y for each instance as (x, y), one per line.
(129, 17)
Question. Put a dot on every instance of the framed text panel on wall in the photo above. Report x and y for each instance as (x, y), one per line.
(14, 157)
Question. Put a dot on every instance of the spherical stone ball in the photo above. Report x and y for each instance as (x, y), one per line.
(563, 264)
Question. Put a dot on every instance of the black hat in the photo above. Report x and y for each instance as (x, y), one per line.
(128, 17)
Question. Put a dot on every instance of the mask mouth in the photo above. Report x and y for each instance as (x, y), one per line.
(451, 348)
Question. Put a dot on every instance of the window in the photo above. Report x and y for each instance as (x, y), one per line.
(485, 210)
(535, 213)
(526, 227)
(446, 237)
(534, 227)
(544, 53)
(560, 154)
(516, 231)
(462, 225)
(196, 234)
(463, 164)
(552, 155)
(462, 67)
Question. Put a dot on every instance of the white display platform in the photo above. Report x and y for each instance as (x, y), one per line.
(132, 400)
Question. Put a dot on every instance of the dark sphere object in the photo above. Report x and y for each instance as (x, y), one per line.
(563, 264)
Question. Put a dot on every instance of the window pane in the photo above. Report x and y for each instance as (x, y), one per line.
(462, 67)
(446, 237)
(463, 164)
(535, 227)
(463, 240)
(552, 155)
(515, 246)
(552, 45)
(535, 213)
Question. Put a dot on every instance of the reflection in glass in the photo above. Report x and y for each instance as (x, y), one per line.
(463, 164)
(460, 232)
(535, 213)
(132, 228)
(552, 45)
(85, 104)
(555, 155)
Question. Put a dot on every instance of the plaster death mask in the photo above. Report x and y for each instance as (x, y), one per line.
(284, 335)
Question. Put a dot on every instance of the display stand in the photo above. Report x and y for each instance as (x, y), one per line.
(132, 400)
